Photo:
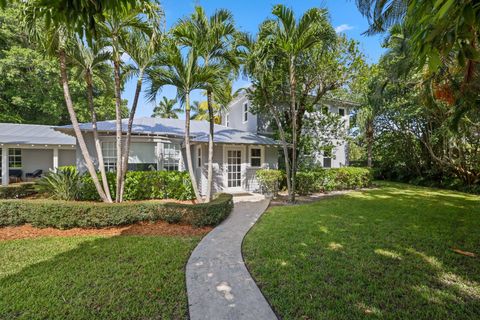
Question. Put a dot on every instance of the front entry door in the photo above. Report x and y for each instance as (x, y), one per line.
(234, 169)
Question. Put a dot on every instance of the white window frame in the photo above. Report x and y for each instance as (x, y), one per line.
(109, 152)
(14, 156)
(262, 156)
(227, 120)
(199, 157)
(176, 157)
(245, 112)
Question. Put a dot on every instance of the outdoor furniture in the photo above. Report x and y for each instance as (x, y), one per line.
(35, 174)
(16, 174)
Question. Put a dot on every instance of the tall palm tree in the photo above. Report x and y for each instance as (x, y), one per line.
(184, 73)
(56, 38)
(200, 111)
(90, 62)
(166, 109)
(292, 39)
(114, 29)
(214, 40)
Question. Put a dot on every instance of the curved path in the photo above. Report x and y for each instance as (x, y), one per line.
(219, 285)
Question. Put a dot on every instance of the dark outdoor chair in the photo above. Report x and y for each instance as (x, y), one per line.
(34, 174)
(16, 174)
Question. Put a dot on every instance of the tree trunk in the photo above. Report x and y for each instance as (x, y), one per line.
(187, 147)
(118, 127)
(98, 146)
(293, 111)
(285, 153)
(369, 143)
(211, 119)
(126, 148)
(76, 127)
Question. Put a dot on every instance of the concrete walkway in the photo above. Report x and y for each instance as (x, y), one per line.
(218, 283)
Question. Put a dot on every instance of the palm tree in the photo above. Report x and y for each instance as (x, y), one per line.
(292, 39)
(166, 109)
(56, 38)
(200, 111)
(115, 29)
(90, 62)
(214, 39)
(184, 73)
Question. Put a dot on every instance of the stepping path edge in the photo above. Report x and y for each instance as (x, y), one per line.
(219, 284)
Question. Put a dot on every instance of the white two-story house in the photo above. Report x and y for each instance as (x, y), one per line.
(238, 116)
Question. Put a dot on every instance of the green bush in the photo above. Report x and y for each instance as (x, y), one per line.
(62, 184)
(71, 214)
(144, 185)
(16, 191)
(269, 180)
(320, 180)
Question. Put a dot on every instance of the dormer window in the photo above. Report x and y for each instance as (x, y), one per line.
(341, 112)
(245, 112)
(227, 120)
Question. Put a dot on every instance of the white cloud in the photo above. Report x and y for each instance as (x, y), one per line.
(343, 27)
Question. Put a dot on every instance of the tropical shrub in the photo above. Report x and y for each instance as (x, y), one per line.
(269, 180)
(62, 184)
(16, 191)
(320, 180)
(71, 214)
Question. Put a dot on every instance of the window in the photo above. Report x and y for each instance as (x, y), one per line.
(255, 157)
(227, 120)
(171, 157)
(327, 158)
(199, 157)
(15, 158)
(341, 112)
(109, 151)
(245, 112)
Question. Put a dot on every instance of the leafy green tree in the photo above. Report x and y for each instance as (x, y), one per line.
(166, 109)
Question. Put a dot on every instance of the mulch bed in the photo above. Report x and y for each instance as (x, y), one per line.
(158, 228)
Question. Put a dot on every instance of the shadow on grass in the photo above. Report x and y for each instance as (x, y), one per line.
(383, 253)
(125, 277)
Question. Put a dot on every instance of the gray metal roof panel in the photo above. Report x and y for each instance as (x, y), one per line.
(14, 133)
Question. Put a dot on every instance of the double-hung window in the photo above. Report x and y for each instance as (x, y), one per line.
(255, 157)
(199, 157)
(245, 112)
(227, 120)
(172, 156)
(109, 151)
(341, 112)
(14, 158)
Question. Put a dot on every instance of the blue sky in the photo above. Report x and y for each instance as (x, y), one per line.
(248, 15)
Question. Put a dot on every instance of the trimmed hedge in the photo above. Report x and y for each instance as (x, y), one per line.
(321, 180)
(16, 191)
(144, 185)
(269, 180)
(71, 214)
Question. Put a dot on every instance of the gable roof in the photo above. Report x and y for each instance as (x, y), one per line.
(176, 128)
(33, 134)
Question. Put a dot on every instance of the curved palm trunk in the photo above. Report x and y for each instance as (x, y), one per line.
(126, 148)
(98, 146)
(211, 120)
(188, 150)
(118, 127)
(76, 127)
(293, 111)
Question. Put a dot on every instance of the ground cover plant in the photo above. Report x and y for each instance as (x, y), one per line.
(123, 277)
(383, 253)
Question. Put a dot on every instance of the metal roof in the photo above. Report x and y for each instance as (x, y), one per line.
(32, 134)
(176, 128)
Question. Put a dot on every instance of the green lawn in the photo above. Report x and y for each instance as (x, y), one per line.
(126, 277)
(383, 253)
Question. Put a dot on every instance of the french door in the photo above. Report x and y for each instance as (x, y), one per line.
(234, 169)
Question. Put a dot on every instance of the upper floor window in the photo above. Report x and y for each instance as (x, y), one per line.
(341, 112)
(245, 112)
(199, 157)
(227, 120)
(256, 157)
(15, 158)
(109, 151)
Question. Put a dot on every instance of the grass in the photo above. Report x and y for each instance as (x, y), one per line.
(384, 253)
(124, 277)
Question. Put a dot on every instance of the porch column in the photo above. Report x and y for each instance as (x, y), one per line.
(55, 158)
(5, 169)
